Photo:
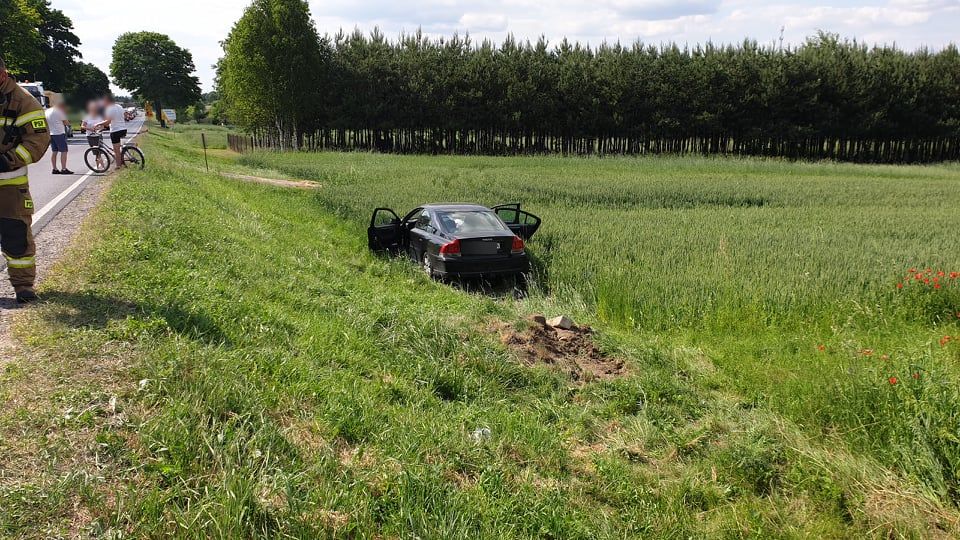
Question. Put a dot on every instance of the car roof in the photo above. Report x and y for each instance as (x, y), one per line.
(451, 207)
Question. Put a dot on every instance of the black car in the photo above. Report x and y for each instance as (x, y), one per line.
(457, 239)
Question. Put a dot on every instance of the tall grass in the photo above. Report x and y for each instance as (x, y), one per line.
(756, 262)
(692, 242)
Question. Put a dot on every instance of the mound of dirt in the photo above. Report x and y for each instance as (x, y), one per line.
(571, 351)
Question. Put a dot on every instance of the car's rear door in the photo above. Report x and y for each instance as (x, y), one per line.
(422, 232)
(384, 233)
(523, 224)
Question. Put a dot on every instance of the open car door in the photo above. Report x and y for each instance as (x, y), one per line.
(384, 233)
(523, 224)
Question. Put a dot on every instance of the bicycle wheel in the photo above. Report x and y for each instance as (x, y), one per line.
(133, 155)
(97, 159)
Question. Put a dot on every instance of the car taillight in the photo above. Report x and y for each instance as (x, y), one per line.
(517, 245)
(452, 248)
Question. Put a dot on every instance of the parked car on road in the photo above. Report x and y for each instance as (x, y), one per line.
(457, 240)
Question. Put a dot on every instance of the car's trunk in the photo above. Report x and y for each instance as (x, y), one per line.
(480, 246)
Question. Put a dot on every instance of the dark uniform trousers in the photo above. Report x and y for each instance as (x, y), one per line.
(23, 140)
(16, 234)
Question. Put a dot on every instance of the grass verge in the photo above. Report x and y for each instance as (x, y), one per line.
(220, 358)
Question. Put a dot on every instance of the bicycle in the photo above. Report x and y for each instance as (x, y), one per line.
(100, 157)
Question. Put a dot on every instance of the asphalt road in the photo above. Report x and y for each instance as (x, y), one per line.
(51, 192)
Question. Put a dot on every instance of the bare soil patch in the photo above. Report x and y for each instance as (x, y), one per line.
(298, 184)
(571, 351)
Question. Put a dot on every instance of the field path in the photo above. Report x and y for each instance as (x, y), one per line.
(299, 184)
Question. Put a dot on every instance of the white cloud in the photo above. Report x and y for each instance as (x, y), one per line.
(494, 22)
(662, 9)
(200, 26)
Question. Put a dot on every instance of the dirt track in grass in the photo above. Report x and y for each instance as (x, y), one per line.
(297, 184)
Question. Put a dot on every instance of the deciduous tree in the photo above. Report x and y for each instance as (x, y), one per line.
(155, 68)
(273, 71)
(87, 82)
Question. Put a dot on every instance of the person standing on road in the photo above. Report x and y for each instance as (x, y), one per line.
(57, 123)
(24, 140)
(114, 119)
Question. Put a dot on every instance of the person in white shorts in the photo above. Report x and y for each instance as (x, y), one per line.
(113, 118)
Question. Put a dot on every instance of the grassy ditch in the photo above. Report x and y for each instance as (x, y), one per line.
(222, 358)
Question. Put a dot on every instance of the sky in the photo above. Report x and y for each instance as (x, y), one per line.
(200, 25)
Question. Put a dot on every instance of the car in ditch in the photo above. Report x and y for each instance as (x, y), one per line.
(457, 239)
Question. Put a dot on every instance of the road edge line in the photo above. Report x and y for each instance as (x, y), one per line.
(50, 210)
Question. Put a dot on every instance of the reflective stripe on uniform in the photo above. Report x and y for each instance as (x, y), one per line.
(24, 154)
(23, 262)
(18, 181)
(22, 171)
(28, 117)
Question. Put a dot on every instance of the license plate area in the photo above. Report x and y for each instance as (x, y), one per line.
(481, 247)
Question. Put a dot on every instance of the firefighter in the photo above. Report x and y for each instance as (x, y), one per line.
(23, 139)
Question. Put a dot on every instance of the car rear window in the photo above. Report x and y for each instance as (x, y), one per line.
(470, 221)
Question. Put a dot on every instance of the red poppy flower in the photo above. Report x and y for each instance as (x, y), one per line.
(944, 340)
(918, 276)
(893, 380)
(866, 352)
(936, 285)
(953, 275)
(916, 376)
(928, 270)
(941, 273)
(913, 270)
(821, 348)
(899, 285)
(926, 281)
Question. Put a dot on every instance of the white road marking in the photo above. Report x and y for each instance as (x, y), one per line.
(42, 213)
(40, 216)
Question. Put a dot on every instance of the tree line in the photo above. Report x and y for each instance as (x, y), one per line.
(826, 98)
(38, 44)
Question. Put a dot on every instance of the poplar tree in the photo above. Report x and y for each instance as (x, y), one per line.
(274, 70)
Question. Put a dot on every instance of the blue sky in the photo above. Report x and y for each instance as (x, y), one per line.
(200, 25)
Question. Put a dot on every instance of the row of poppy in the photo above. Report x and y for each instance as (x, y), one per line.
(893, 380)
(929, 277)
(944, 341)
